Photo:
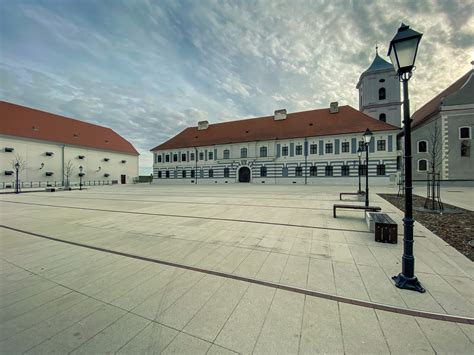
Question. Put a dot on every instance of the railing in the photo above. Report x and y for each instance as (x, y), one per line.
(40, 184)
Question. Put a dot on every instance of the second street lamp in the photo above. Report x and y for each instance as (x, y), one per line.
(402, 52)
(367, 138)
(359, 154)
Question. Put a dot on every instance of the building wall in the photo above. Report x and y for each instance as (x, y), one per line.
(34, 153)
(275, 161)
(369, 102)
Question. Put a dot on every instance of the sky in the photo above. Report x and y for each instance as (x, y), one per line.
(148, 69)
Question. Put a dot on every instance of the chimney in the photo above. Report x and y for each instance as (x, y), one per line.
(280, 115)
(202, 125)
(334, 107)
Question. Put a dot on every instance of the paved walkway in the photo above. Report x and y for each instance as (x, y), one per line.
(69, 298)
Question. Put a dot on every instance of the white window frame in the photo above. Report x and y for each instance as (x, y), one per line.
(469, 128)
(418, 145)
(418, 166)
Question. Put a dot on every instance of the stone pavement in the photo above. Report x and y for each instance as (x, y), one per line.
(58, 297)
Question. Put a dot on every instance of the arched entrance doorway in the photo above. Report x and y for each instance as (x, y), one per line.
(244, 174)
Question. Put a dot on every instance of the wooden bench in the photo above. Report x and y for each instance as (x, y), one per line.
(362, 193)
(355, 207)
(385, 228)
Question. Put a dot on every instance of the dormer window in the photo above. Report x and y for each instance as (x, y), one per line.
(81, 156)
(9, 149)
(75, 135)
(49, 154)
(34, 128)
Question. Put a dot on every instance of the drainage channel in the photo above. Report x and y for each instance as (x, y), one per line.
(188, 216)
(311, 293)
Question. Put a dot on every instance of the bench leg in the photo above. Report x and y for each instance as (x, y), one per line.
(334, 212)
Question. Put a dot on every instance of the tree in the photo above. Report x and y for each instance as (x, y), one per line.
(68, 171)
(437, 156)
(18, 164)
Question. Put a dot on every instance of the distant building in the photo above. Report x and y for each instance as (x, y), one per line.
(311, 147)
(451, 114)
(379, 92)
(49, 143)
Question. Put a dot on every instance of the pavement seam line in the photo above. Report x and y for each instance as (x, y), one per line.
(361, 303)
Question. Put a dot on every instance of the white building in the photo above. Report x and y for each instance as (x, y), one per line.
(311, 147)
(54, 147)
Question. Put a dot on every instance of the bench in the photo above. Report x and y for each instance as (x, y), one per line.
(362, 193)
(385, 228)
(355, 207)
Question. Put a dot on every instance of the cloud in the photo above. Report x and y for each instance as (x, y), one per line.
(148, 69)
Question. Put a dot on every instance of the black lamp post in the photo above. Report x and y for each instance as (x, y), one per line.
(80, 177)
(367, 136)
(402, 52)
(359, 154)
(17, 187)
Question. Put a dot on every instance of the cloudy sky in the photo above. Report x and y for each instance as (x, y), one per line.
(148, 69)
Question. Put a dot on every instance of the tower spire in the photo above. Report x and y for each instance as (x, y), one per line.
(376, 49)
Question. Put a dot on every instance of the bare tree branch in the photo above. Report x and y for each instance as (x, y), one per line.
(18, 159)
(68, 171)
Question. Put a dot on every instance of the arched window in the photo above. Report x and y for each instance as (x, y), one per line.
(422, 147)
(382, 94)
(422, 165)
(383, 117)
(243, 153)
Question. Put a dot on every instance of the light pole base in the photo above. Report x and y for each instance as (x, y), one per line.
(408, 283)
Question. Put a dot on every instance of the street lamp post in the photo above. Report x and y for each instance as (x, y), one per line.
(17, 187)
(367, 136)
(359, 154)
(80, 177)
(403, 50)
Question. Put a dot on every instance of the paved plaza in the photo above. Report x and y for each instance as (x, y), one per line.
(203, 269)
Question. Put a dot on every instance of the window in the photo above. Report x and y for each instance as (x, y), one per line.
(383, 117)
(201, 156)
(158, 158)
(284, 171)
(381, 144)
(226, 172)
(175, 157)
(362, 170)
(211, 156)
(191, 156)
(380, 169)
(328, 170)
(465, 148)
(345, 170)
(345, 147)
(226, 154)
(299, 150)
(211, 173)
(464, 133)
(263, 151)
(193, 173)
(263, 171)
(243, 153)
(167, 158)
(183, 174)
(313, 149)
(422, 146)
(284, 151)
(382, 94)
(298, 171)
(313, 171)
(422, 165)
(328, 148)
(159, 174)
(167, 174)
(183, 157)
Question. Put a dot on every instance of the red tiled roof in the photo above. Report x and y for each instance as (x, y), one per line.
(296, 125)
(433, 106)
(26, 122)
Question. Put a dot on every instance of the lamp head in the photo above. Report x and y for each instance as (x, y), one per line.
(359, 152)
(404, 48)
(17, 165)
(42, 165)
(367, 136)
(81, 168)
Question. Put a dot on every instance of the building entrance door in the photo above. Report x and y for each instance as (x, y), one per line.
(244, 174)
(123, 179)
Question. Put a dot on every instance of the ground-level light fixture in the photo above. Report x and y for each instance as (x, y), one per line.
(402, 51)
(80, 177)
